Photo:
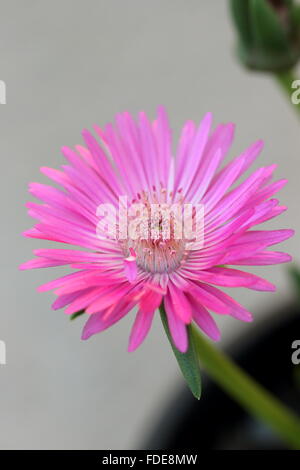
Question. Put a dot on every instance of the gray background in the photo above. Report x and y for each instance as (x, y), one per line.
(67, 65)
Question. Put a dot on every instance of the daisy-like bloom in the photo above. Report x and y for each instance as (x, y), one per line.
(112, 275)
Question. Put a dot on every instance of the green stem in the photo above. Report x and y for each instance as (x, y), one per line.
(285, 80)
(249, 394)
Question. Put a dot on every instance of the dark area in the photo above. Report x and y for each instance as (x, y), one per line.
(217, 422)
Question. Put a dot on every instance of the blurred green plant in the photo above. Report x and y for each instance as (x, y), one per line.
(188, 362)
(268, 33)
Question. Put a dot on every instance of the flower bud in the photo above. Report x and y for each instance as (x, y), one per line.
(268, 33)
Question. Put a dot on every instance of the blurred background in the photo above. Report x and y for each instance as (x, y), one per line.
(67, 65)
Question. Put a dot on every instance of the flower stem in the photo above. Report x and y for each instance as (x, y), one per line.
(285, 80)
(249, 394)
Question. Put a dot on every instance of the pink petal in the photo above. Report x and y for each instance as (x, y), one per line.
(180, 304)
(227, 277)
(130, 266)
(264, 258)
(150, 301)
(100, 321)
(109, 297)
(193, 160)
(204, 320)
(140, 329)
(235, 309)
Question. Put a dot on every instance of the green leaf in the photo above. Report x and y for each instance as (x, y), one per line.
(188, 362)
(76, 314)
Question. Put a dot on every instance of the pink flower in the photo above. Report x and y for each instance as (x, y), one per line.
(112, 275)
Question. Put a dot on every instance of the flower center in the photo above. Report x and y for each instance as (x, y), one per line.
(158, 256)
(155, 232)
